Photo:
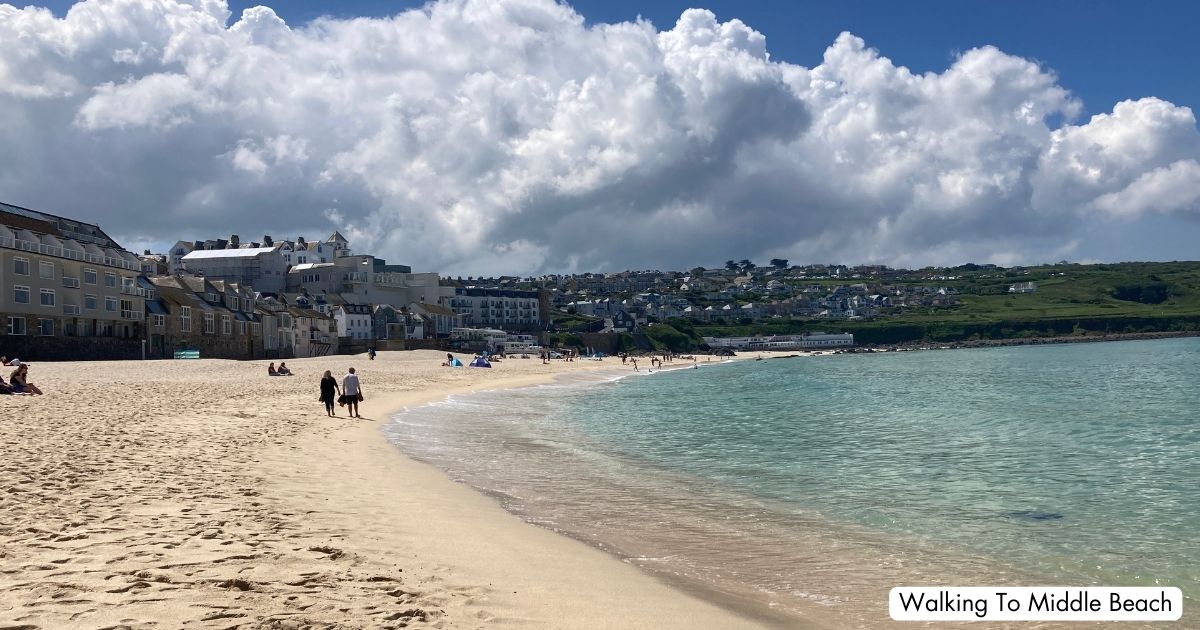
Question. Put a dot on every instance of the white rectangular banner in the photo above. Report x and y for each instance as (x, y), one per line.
(1035, 603)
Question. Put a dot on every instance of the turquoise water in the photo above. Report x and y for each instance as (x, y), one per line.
(811, 485)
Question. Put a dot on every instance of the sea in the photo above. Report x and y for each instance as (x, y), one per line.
(800, 490)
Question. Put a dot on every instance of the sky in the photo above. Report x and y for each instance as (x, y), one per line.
(527, 136)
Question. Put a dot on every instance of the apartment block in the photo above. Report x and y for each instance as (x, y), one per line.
(67, 290)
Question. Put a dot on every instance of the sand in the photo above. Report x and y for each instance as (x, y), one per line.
(204, 494)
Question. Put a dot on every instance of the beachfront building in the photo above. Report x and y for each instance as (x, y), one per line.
(216, 319)
(279, 334)
(441, 320)
(315, 333)
(807, 341)
(364, 279)
(354, 321)
(67, 290)
(509, 309)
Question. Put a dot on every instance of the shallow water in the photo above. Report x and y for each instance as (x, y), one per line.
(809, 486)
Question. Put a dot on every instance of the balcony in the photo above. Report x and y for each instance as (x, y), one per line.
(70, 309)
(356, 277)
(132, 315)
(70, 283)
(61, 252)
(130, 290)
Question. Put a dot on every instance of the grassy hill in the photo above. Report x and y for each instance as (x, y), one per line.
(1070, 300)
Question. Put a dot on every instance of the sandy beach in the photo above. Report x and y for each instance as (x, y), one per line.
(204, 494)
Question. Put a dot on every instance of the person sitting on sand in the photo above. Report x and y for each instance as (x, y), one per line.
(20, 382)
(283, 369)
(271, 371)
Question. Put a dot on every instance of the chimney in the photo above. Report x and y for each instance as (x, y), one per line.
(234, 241)
(267, 242)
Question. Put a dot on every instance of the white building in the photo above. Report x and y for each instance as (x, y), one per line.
(260, 267)
(354, 321)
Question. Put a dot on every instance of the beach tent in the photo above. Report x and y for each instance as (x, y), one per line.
(456, 363)
(480, 362)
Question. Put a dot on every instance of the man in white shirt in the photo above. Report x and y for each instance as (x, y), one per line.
(351, 390)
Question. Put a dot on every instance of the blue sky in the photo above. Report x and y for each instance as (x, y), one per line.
(499, 134)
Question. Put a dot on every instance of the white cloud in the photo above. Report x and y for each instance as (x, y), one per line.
(509, 136)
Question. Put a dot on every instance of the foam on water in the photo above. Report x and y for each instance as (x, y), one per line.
(812, 485)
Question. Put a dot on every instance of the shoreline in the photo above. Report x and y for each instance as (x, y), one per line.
(740, 604)
(229, 499)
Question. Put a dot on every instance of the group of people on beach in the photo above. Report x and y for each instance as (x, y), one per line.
(18, 380)
(282, 370)
(346, 394)
(349, 394)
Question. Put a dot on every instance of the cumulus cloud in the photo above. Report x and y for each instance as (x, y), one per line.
(478, 136)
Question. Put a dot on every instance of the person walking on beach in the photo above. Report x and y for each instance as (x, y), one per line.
(352, 391)
(329, 392)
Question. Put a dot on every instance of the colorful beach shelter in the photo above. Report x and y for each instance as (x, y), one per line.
(480, 362)
(456, 363)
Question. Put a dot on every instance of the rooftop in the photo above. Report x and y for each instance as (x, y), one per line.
(249, 252)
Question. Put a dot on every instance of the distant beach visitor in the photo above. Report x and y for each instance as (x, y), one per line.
(329, 392)
(352, 392)
(283, 369)
(19, 380)
(271, 371)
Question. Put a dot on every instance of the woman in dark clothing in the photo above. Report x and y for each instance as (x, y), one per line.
(329, 392)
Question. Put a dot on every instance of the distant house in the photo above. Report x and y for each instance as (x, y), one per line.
(1023, 287)
(442, 319)
(623, 321)
(354, 321)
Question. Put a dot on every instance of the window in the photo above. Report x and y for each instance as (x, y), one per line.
(226, 327)
(46, 270)
(256, 329)
(21, 267)
(110, 279)
(110, 304)
(21, 294)
(16, 325)
(47, 297)
(89, 302)
(104, 329)
(160, 321)
(185, 318)
(89, 276)
(242, 328)
(210, 324)
(46, 327)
